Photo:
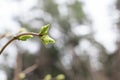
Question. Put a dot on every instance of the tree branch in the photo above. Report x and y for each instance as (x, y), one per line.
(30, 69)
(16, 38)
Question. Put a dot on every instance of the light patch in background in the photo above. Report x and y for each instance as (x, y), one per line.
(3, 75)
(85, 47)
(11, 51)
(103, 22)
(56, 34)
(9, 10)
(81, 30)
(67, 58)
(30, 46)
(63, 10)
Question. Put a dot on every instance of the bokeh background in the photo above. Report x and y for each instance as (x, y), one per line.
(87, 34)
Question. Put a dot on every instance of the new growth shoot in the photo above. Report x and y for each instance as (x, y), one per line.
(23, 36)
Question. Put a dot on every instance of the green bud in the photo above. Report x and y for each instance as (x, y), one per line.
(48, 77)
(25, 37)
(22, 76)
(44, 29)
(47, 40)
(60, 77)
(22, 30)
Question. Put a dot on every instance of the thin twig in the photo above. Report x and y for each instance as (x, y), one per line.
(7, 44)
(16, 38)
(4, 35)
(30, 69)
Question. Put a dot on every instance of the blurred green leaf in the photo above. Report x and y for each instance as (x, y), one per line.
(22, 76)
(60, 77)
(25, 37)
(44, 29)
(48, 77)
(47, 40)
(22, 30)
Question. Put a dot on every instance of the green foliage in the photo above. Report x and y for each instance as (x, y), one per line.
(60, 77)
(44, 36)
(48, 77)
(44, 29)
(22, 76)
(22, 30)
(25, 37)
(47, 40)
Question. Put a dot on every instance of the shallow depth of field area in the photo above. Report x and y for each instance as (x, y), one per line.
(60, 39)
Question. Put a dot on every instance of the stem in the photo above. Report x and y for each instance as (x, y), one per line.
(30, 69)
(16, 37)
(7, 44)
(28, 33)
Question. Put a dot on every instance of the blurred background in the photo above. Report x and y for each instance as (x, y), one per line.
(87, 34)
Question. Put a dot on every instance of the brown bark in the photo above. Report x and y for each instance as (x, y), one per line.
(18, 66)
